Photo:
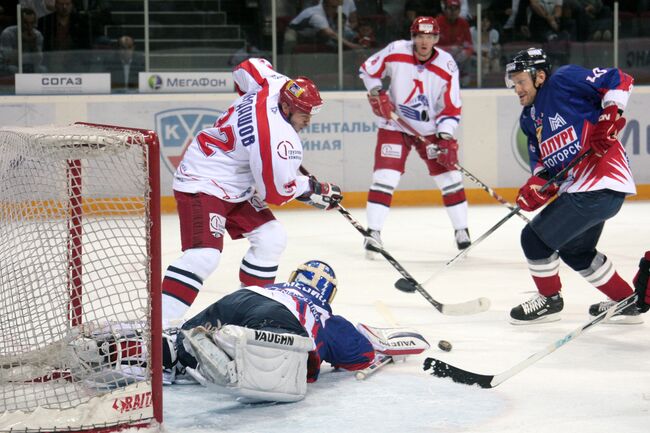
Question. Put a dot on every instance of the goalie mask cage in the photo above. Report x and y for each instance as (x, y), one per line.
(80, 337)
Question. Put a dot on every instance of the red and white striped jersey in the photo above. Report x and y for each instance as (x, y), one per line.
(251, 148)
(426, 95)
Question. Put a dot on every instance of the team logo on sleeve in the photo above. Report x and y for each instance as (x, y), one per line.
(217, 225)
(287, 151)
(177, 127)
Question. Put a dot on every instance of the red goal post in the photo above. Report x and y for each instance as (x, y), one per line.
(79, 278)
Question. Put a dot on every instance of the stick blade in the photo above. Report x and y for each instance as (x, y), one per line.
(474, 306)
(442, 369)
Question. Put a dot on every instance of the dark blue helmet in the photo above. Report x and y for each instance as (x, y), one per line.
(531, 61)
(317, 275)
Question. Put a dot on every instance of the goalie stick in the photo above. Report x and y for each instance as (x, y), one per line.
(469, 307)
(458, 375)
(405, 285)
(379, 362)
(396, 117)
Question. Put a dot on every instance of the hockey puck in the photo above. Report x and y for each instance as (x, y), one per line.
(444, 345)
(405, 285)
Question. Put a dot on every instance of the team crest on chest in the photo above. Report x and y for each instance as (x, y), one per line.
(556, 121)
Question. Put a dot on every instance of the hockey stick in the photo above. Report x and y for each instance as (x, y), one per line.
(442, 369)
(396, 117)
(404, 284)
(379, 362)
(469, 307)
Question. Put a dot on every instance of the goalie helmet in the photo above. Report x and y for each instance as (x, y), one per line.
(301, 94)
(531, 61)
(425, 25)
(317, 275)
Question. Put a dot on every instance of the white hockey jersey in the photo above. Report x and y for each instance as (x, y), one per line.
(251, 148)
(427, 96)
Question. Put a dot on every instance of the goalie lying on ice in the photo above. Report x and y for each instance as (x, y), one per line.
(267, 343)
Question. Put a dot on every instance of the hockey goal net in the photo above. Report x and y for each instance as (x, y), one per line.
(79, 279)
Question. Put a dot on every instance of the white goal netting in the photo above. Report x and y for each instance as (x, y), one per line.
(76, 256)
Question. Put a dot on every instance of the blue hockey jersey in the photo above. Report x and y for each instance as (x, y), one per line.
(559, 122)
(337, 340)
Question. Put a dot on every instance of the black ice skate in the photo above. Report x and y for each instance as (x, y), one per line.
(538, 309)
(372, 244)
(630, 315)
(462, 239)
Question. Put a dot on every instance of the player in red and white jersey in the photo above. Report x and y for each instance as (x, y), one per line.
(229, 172)
(424, 91)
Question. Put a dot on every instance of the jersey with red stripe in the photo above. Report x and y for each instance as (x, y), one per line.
(251, 74)
(558, 125)
(251, 148)
(426, 95)
(337, 340)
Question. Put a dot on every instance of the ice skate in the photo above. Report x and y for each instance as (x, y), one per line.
(538, 309)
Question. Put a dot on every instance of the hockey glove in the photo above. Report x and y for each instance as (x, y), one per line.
(322, 195)
(642, 284)
(381, 104)
(530, 197)
(447, 151)
(606, 130)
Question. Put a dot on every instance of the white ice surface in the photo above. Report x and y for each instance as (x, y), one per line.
(599, 382)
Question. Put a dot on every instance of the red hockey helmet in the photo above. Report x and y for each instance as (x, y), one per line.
(425, 25)
(301, 94)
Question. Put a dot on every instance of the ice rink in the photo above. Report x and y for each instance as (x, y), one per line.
(599, 382)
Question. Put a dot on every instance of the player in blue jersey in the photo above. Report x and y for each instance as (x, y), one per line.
(268, 331)
(564, 114)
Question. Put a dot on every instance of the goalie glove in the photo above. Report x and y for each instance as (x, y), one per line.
(321, 195)
(447, 151)
(380, 103)
(394, 342)
(642, 284)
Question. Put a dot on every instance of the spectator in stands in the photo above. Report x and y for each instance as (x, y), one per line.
(318, 25)
(490, 48)
(365, 35)
(125, 64)
(455, 38)
(64, 30)
(594, 20)
(32, 45)
(40, 7)
(504, 13)
(371, 13)
(244, 53)
(545, 23)
(7, 13)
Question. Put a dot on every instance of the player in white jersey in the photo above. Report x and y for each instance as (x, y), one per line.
(424, 91)
(229, 172)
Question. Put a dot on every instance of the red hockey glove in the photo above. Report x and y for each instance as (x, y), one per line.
(604, 135)
(642, 284)
(322, 195)
(381, 104)
(530, 198)
(447, 151)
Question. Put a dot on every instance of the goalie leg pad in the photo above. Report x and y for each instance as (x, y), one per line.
(270, 366)
(214, 364)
